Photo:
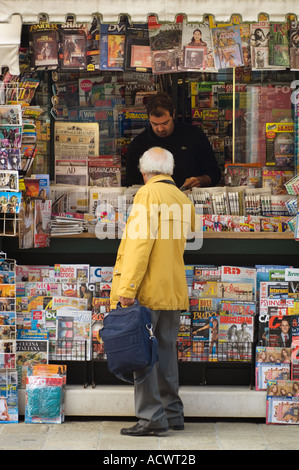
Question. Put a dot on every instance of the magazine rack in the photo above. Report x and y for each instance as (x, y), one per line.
(97, 355)
(221, 354)
(68, 350)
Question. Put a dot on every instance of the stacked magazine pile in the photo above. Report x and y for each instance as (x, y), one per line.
(67, 225)
(45, 394)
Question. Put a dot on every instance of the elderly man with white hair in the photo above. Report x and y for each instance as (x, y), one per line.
(150, 267)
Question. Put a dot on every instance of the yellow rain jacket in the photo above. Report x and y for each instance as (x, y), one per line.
(149, 264)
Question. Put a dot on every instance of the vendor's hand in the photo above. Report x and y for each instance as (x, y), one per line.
(193, 182)
(126, 301)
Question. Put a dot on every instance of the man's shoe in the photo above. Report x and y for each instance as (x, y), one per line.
(177, 427)
(139, 430)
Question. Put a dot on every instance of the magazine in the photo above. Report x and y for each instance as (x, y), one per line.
(71, 273)
(204, 336)
(165, 43)
(279, 45)
(235, 290)
(294, 45)
(73, 335)
(266, 306)
(271, 364)
(280, 145)
(9, 396)
(30, 352)
(227, 46)
(42, 223)
(237, 332)
(103, 175)
(26, 232)
(274, 290)
(282, 406)
(197, 43)
(240, 274)
(45, 394)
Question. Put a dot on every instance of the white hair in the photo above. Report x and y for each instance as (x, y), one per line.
(157, 161)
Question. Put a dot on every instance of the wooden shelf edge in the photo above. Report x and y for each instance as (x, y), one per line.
(239, 235)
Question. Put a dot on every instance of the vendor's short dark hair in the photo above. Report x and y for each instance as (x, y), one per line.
(158, 104)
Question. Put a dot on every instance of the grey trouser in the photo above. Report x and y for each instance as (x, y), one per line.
(157, 401)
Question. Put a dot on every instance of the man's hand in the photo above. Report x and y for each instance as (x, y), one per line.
(193, 182)
(202, 181)
(126, 301)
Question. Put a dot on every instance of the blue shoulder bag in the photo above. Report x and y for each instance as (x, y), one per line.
(129, 342)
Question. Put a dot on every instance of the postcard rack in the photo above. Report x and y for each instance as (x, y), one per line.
(10, 91)
(9, 224)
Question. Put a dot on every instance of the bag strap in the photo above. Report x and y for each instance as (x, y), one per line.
(166, 181)
(140, 378)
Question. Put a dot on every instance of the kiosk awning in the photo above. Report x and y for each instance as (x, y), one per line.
(138, 10)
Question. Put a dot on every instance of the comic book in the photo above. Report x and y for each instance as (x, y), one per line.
(282, 405)
(197, 47)
(271, 364)
(9, 396)
(112, 46)
(227, 46)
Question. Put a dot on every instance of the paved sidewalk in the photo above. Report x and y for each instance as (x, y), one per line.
(96, 434)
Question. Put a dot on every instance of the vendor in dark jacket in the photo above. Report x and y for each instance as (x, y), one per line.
(195, 162)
